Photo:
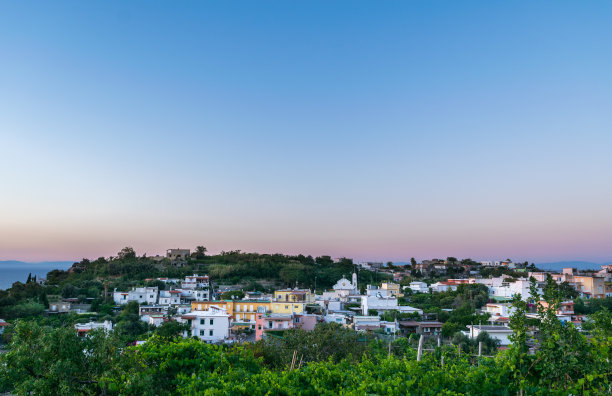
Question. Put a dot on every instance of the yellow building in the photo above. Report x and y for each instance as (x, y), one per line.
(295, 295)
(240, 311)
(286, 307)
(393, 288)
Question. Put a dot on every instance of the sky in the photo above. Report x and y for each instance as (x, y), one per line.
(372, 130)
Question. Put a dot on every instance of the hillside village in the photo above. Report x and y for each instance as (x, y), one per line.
(403, 305)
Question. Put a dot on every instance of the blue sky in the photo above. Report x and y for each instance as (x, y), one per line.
(374, 130)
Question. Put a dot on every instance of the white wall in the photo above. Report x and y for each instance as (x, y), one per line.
(216, 331)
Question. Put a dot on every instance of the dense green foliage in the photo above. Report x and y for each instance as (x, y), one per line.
(327, 342)
(23, 300)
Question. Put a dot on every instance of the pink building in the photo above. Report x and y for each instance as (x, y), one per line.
(266, 322)
(270, 322)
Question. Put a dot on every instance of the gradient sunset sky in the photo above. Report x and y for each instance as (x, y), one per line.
(373, 130)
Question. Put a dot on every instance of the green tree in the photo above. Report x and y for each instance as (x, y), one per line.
(200, 252)
(126, 253)
(45, 361)
(171, 329)
(129, 327)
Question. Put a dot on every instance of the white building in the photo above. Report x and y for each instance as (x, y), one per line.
(200, 285)
(496, 310)
(169, 297)
(195, 281)
(501, 333)
(143, 295)
(379, 303)
(331, 303)
(375, 290)
(211, 326)
(419, 287)
(155, 319)
(372, 323)
(344, 289)
(83, 328)
(503, 288)
(362, 323)
(443, 286)
(336, 318)
(407, 309)
(389, 327)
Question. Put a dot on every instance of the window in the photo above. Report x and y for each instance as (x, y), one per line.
(286, 306)
(251, 308)
(211, 322)
(202, 321)
(270, 324)
(201, 332)
(237, 307)
(210, 333)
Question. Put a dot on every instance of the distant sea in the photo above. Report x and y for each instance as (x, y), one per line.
(579, 265)
(17, 271)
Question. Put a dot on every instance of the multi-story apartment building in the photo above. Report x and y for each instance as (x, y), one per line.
(170, 297)
(211, 325)
(143, 295)
(241, 312)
